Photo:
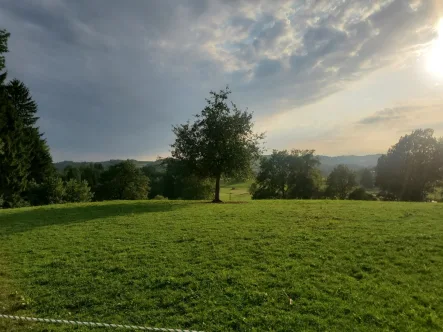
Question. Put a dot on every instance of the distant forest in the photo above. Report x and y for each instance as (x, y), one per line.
(327, 163)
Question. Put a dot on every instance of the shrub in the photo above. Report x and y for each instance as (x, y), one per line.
(160, 197)
(77, 191)
(360, 194)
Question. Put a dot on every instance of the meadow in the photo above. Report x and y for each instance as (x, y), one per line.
(244, 266)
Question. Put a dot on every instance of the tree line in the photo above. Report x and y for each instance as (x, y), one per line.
(220, 144)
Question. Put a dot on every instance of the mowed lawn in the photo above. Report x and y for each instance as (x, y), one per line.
(347, 266)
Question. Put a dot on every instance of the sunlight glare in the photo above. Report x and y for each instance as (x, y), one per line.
(435, 58)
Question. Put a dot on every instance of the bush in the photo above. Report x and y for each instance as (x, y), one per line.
(55, 190)
(77, 191)
(160, 197)
(360, 194)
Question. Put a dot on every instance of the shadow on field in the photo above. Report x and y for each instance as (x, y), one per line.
(26, 219)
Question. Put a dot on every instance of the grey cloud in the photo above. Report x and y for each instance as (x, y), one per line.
(267, 67)
(110, 76)
(386, 115)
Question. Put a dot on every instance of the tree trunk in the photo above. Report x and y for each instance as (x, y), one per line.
(217, 190)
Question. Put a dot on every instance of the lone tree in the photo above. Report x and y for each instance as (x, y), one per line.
(219, 143)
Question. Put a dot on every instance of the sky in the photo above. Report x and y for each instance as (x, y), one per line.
(111, 77)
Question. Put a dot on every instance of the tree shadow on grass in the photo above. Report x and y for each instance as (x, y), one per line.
(22, 220)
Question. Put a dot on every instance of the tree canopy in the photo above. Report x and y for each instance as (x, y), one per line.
(340, 182)
(288, 175)
(220, 142)
(123, 181)
(412, 168)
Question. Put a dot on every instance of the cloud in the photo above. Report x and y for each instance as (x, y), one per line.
(385, 115)
(376, 133)
(111, 77)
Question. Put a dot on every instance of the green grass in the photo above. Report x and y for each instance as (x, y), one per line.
(347, 266)
(235, 191)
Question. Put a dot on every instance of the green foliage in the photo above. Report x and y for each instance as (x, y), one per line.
(253, 188)
(92, 173)
(156, 175)
(220, 143)
(412, 168)
(288, 175)
(72, 173)
(21, 100)
(180, 183)
(367, 179)
(159, 198)
(77, 191)
(15, 160)
(340, 182)
(346, 265)
(54, 190)
(123, 181)
(41, 166)
(25, 155)
(360, 194)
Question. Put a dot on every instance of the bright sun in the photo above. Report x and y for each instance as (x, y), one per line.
(435, 57)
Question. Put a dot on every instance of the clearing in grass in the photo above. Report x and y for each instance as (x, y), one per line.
(267, 265)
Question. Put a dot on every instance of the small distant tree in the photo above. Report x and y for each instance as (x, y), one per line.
(340, 182)
(412, 168)
(77, 191)
(220, 142)
(288, 175)
(305, 179)
(367, 179)
(123, 181)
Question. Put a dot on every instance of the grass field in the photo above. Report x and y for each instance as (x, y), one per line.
(347, 266)
(235, 191)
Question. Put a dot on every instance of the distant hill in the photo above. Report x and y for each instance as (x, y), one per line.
(327, 163)
(60, 166)
(353, 162)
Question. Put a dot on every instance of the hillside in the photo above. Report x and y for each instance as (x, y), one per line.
(257, 266)
(353, 162)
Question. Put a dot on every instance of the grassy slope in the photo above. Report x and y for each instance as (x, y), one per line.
(363, 266)
(235, 191)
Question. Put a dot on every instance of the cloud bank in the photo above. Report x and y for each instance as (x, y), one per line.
(111, 77)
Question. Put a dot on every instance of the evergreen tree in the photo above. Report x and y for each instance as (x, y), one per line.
(22, 101)
(15, 161)
(25, 155)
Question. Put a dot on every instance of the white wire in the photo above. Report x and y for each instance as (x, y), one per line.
(92, 324)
